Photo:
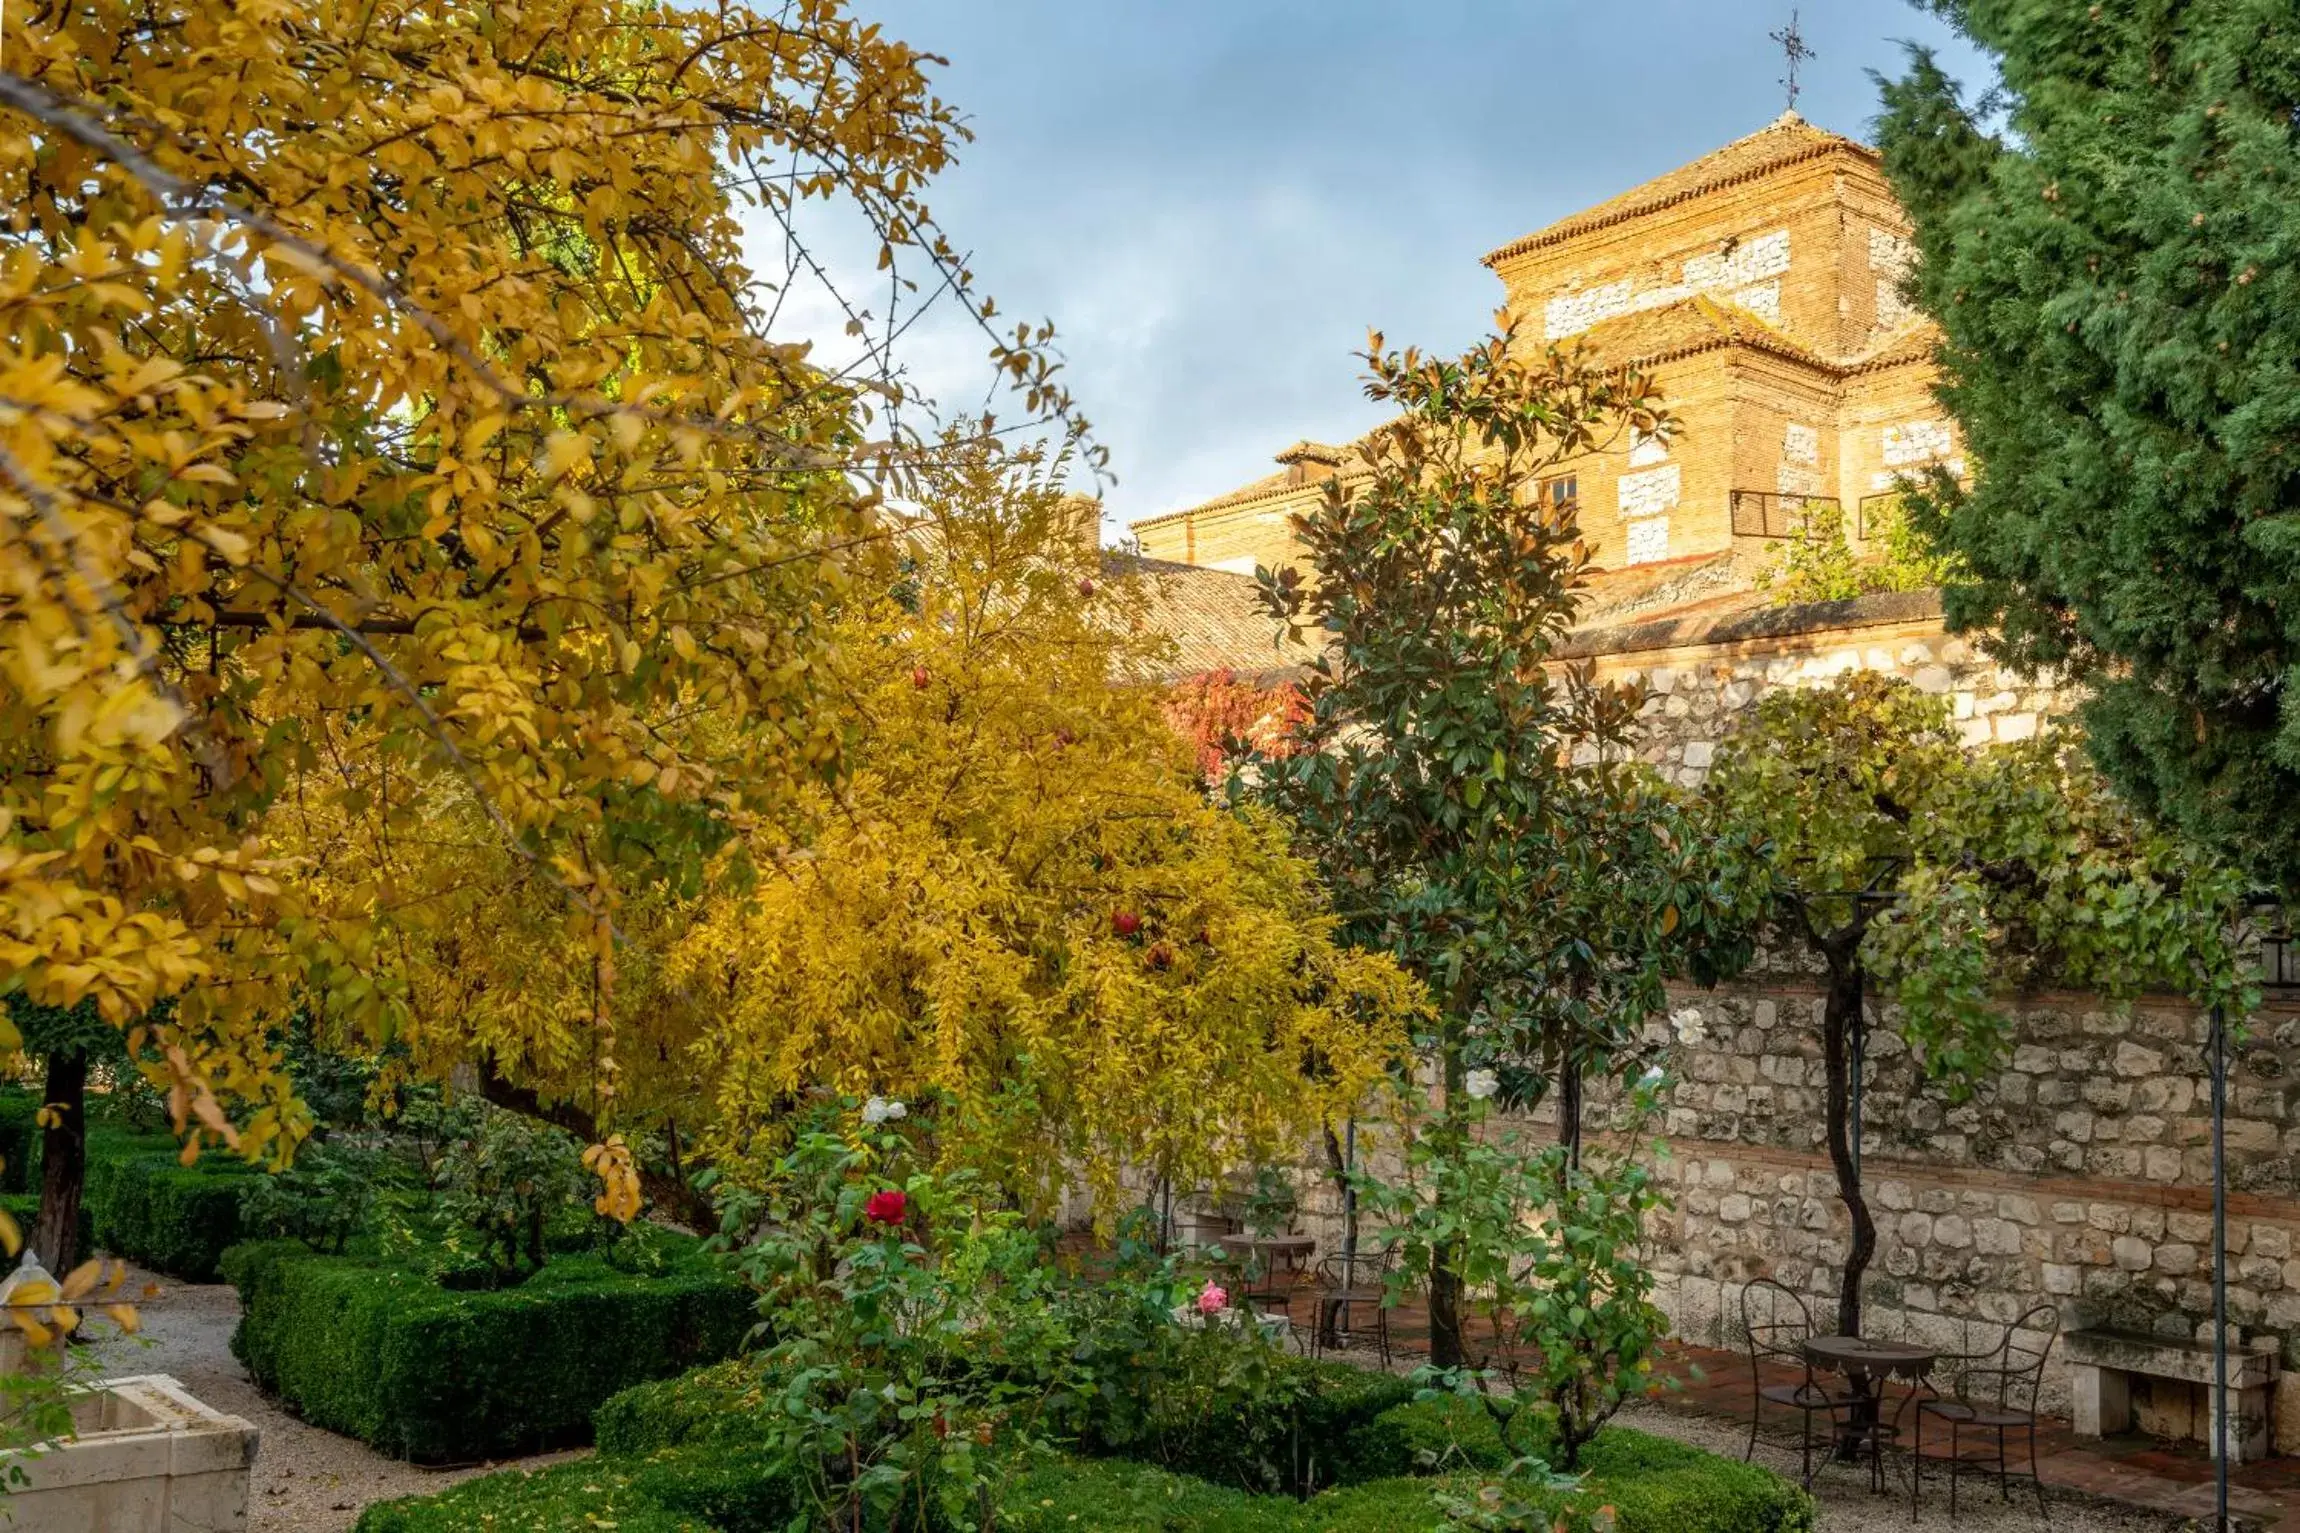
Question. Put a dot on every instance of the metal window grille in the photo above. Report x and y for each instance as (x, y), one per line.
(1767, 514)
(2279, 960)
(1874, 511)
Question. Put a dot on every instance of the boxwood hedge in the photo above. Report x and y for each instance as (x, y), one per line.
(159, 1213)
(380, 1351)
(680, 1456)
(19, 1138)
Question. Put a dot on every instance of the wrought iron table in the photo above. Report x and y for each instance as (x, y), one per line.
(1866, 1365)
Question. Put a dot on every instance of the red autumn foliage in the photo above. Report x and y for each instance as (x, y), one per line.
(1216, 711)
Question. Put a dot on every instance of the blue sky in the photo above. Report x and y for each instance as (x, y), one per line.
(1213, 199)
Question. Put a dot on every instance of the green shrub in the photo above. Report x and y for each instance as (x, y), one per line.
(1654, 1484)
(1119, 1496)
(675, 1455)
(158, 1213)
(711, 1404)
(1284, 1433)
(1423, 1437)
(1659, 1486)
(380, 1351)
(19, 1138)
(566, 1497)
(24, 1208)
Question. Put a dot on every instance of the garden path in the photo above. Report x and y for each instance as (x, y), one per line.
(306, 1480)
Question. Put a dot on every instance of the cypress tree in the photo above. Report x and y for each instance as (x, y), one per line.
(2110, 240)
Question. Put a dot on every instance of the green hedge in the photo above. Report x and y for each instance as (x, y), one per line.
(24, 1208)
(1653, 1485)
(159, 1213)
(1254, 1447)
(561, 1499)
(679, 1455)
(381, 1352)
(19, 1138)
(710, 1405)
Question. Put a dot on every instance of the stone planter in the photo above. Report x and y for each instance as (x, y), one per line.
(145, 1457)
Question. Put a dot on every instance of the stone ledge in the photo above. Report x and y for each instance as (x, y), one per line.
(1877, 611)
(2163, 1357)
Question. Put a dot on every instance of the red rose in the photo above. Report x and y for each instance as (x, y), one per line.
(886, 1207)
(1125, 923)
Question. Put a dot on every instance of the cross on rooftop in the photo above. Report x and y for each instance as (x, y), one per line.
(1792, 44)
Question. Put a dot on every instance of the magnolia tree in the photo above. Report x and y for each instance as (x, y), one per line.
(392, 437)
(1469, 800)
(1942, 881)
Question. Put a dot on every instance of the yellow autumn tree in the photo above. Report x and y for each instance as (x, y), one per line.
(390, 426)
(1019, 900)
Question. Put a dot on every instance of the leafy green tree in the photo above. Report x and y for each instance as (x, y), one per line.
(1945, 880)
(1553, 1256)
(1473, 804)
(1818, 562)
(2111, 262)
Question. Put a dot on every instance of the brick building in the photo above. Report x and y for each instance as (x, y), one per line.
(1761, 285)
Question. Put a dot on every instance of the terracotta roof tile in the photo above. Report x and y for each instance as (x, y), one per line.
(1213, 617)
(1786, 141)
(1689, 325)
(1915, 341)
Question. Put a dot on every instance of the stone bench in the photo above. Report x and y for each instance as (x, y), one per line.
(2102, 1364)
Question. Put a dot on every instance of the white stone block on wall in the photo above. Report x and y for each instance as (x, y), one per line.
(1647, 542)
(1649, 493)
(1912, 443)
(1762, 299)
(1752, 260)
(1893, 310)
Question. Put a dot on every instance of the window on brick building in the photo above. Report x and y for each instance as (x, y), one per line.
(1563, 490)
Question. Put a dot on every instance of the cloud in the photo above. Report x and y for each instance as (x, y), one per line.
(1213, 200)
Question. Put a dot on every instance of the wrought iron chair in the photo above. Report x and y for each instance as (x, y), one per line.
(1777, 1323)
(1352, 1282)
(1991, 1394)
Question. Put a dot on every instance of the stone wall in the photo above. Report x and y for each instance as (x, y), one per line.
(1702, 673)
(2078, 1177)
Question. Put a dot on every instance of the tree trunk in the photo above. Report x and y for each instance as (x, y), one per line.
(1446, 1350)
(1338, 1167)
(1840, 1015)
(63, 1163)
(1569, 1108)
(674, 1194)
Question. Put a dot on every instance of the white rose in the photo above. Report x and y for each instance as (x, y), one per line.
(1481, 1084)
(879, 1110)
(1691, 1031)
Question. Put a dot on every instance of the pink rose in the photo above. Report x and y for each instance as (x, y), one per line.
(1212, 1298)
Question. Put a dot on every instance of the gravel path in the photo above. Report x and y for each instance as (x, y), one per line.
(1847, 1507)
(306, 1480)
